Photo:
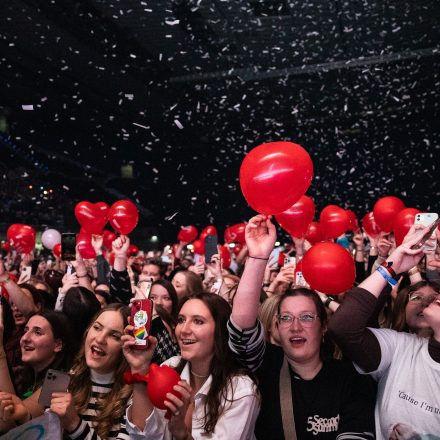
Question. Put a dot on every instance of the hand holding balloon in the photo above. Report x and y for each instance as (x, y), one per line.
(178, 406)
(260, 236)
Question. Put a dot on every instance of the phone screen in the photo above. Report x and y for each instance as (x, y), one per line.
(68, 243)
(210, 247)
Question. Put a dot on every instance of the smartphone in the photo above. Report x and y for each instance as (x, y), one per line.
(34, 266)
(289, 260)
(422, 219)
(211, 244)
(145, 287)
(26, 273)
(54, 382)
(68, 244)
(140, 319)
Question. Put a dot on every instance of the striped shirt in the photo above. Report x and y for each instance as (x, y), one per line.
(101, 385)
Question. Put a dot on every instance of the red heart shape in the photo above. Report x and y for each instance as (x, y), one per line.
(92, 216)
(123, 216)
(22, 237)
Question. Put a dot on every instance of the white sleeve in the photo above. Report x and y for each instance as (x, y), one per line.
(60, 301)
(155, 426)
(389, 340)
(238, 420)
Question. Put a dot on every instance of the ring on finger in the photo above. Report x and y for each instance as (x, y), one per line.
(177, 413)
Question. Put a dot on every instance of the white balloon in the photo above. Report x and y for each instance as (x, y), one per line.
(50, 238)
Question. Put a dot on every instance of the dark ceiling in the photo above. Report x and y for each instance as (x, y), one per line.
(183, 89)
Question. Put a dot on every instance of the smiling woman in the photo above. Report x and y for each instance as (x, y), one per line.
(95, 404)
(218, 400)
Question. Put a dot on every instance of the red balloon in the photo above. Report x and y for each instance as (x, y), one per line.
(328, 268)
(108, 237)
(187, 234)
(225, 256)
(403, 222)
(92, 216)
(22, 237)
(352, 221)
(334, 221)
(298, 217)
(385, 211)
(275, 175)
(85, 248)
(370, 225)
(132, 250)
(237, 248)
(314, 233)
(123, 216)
(56, 250)
(235, 233)
(281, 257)
(161, 380)
(199, 247)
(209, 230)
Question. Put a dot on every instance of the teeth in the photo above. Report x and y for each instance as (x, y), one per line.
(188, 341)
(97, 350)
(297, 339)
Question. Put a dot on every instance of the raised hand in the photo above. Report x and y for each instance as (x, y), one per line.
(138, 360)
(260, 236)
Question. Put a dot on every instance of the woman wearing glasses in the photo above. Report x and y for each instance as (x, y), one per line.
(406, 366)
(304, 395)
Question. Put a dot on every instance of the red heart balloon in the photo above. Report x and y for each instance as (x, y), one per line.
(108, 237)
(21, 237)
(370, 226)
(187, 234)
(199, 247)
(334, 221)
(85, 248)
(225, 256)
(235, 233)
(92, 216)
(56, 250)
(209, 230)
(385, 211)
(314, 233)
(352, 221)
(298, 217)
(275, 175)
(328, 268)
(123, 216)
(403, 222)
(161, 380)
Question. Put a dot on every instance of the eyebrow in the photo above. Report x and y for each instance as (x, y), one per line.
(112, 329)
(193, 316)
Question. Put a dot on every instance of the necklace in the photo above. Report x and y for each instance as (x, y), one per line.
(199, 375)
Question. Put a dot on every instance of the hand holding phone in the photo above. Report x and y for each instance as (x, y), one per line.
(428, 234)
(140, 319)
(54, 382)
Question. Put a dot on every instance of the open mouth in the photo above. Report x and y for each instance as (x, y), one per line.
(297, 340)
(188, 341)
(27, 348)
(96, 351)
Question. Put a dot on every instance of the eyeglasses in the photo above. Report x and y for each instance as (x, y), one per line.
(306, 319)
(417, 298)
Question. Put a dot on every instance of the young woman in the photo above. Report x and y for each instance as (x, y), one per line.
(45, 344)
(406, 366)
(186, 282)
(95, 405)
(218, 401)
(304, 395)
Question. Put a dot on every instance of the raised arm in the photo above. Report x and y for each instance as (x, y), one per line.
(348, 324)
(260, 239)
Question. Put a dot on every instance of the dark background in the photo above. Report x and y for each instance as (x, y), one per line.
(355, 82)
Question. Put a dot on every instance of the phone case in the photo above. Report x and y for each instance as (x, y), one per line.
(145, 288)
(210, 247)
(141, 316)
(54, 382)
(426, 218)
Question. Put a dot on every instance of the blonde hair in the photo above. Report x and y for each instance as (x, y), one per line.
(268, 309)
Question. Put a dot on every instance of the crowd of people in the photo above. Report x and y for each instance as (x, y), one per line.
(260, 355)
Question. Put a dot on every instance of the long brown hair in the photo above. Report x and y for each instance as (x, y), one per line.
(223, 365)
(112, 406)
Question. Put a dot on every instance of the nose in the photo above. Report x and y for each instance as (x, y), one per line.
(100, 337)
(186, 328)
(296, 324)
